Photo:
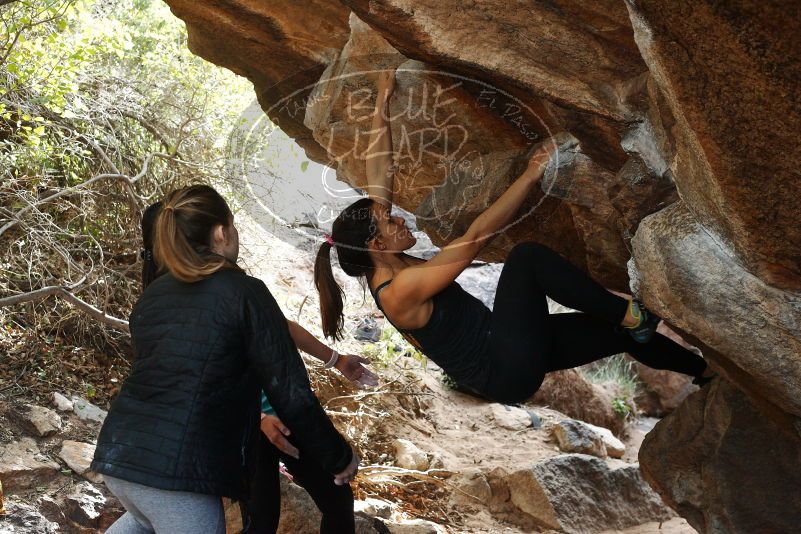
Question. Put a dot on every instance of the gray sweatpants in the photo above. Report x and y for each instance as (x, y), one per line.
(161, 511)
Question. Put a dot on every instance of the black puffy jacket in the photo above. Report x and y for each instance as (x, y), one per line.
(202, 352)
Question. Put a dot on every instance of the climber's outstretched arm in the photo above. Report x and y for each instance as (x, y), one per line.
(379, 168)
(421, 282)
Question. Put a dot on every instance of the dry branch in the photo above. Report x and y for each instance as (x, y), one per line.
(129, 182)
(63, 292)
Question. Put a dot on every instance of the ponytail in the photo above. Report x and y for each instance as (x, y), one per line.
(331, 304)
(183, 233)
(150, 270)
(350, 233)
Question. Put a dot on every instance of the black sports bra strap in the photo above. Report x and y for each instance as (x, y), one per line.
(382, 285)
(378, 289)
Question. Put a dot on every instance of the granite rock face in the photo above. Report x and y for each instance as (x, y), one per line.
(574, 61)
(477, 87)
(746, 327)
(724, 466)
(728, 75)
(676, 176)
(574, 493)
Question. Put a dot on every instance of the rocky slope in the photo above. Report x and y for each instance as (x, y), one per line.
(433, 460)
(677, 173)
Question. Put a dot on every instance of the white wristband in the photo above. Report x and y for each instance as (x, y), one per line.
(333, 361)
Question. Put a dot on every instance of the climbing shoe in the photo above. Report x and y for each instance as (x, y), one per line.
(644, 330)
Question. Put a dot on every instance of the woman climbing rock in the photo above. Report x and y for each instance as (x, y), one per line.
(503, 354)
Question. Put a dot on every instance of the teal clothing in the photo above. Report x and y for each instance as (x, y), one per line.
(265, 405)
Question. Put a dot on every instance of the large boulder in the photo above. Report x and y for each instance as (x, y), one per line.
(570, 393)
(465, 113)
(572, 60)
(680, 122)
(723, 264)
(747, 328)
(724, 466)
(728, 76)
(574, 493)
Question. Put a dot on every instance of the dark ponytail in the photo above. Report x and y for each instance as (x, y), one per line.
(331, 304)
(351, 231)
(150, 270)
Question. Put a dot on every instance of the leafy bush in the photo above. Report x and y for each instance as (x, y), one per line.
(103, 109)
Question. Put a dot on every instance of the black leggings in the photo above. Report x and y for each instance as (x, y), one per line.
(264, 505)
(527, 341)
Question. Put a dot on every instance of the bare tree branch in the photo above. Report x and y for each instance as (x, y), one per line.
(154, 131)
(63, 292)
(129, 182)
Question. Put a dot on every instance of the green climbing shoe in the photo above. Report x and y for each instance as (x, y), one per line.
(645, 329)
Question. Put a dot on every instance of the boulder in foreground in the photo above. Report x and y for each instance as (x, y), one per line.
(724, 466)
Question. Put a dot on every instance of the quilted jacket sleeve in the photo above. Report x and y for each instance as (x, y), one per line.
(283, 376)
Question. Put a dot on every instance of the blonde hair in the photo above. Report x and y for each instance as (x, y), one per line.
(183, 233)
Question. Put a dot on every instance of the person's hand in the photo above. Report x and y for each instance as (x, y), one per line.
(539, 159)
(340, 479)
(386, 82)
(352, 367)
(276, 432)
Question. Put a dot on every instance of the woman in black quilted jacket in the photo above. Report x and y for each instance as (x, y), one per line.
(207, 338)
(261, 511)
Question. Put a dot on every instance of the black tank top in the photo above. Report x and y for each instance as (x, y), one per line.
(456, 336)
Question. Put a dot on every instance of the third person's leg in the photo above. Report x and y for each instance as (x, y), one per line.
(263, 505)
(335, 502)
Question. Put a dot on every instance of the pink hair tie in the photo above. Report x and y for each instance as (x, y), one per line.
(329, 239)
